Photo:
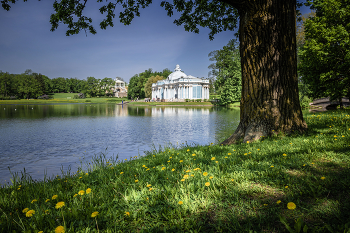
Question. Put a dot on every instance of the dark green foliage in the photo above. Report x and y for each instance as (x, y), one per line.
(325, 56)
(227, 71)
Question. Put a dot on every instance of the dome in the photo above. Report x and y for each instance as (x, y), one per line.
(177, 74)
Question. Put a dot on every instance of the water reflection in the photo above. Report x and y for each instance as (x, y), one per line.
(47, 137)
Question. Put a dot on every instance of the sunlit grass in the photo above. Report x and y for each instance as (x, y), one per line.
(259, 186)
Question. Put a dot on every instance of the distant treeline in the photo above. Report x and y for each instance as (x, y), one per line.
(33, 85)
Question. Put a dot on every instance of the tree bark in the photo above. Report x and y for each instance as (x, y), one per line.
(270, 97)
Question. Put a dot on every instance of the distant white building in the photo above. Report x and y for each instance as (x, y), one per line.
(179, 86)
(120, 89)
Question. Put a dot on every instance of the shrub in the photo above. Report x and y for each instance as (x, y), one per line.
(88, 101)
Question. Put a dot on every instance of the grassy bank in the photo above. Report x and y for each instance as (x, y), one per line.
(252, 187)
(64, 98)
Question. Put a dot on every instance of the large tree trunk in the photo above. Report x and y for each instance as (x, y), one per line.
(270, 98)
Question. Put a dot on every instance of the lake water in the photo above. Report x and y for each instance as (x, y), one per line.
(48, 138)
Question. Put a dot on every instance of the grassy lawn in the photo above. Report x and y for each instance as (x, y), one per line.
(272, 185)
(64, 98)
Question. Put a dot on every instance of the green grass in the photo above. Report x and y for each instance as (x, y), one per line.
(212, 188)
(64, 98)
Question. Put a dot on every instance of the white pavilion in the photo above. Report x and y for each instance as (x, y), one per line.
(179, 86)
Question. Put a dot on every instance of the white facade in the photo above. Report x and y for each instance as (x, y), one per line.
(120, 88)
(179, 86)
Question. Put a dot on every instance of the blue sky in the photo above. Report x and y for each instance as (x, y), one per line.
(151, 41)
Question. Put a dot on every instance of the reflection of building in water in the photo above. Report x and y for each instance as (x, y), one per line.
(169, 111)
(120, 89)
(178, 87)
(121, 110)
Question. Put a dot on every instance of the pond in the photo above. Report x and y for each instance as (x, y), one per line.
(48, 139)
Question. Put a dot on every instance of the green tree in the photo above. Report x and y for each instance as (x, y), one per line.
(148, 85)
(267, 35)
(106, 86)
(227, 71)
(5, 84)
(325, 56)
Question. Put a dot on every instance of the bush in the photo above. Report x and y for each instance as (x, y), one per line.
(88, 101)
(187, 100)
(198, 100)
(75, 97)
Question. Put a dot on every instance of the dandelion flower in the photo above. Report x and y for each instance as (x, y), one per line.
(30, 213)
(40, 232)
(232, 179)
(226, 157)
(54, 197)
(182, 180)
(181, 161)
(34, 200)
(213, 158)
(59, 205)
(188, 171)
(136, 181)
(25, 210)
(205, 173)
(59, 229)
(75, 195)
(150, 189)
(121, 173)
(149, 185)
(186, 176)
(173, 169)
(211, 177)
(163, 168)
(81, 192)
(286, 186)
(284, 154)
(272, 166)
(322, 178)
(47, 200)
(228, 153)
(279, 201)
(291, 206)
(245, 153)
(88, 191)
(180, 202)
(127, 214)
(207, 184)
(188, 149)
(193, 154)
(94, 214)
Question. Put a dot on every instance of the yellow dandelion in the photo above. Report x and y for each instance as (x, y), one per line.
(272, 166)
(228, 153)
(185, 176)
(59, 229)
(81, 192)
(278, 202)
(34, 200)
(291, 206)
(322, 178)
(180, 202)
(181, 161)
(88, 191)
(182, 180)
(94, 214)
(136, 181)
(188, 149)
(40, 232)
(213, 158)
(75, 195)
(25, 210)
(188, 171)
(150, 189)
(265, 204)
(121, 173)
(284, 154)
(207, 184)
(193, 154)
(163, 168)
(80, 177)
(87, 174)
(47, 200)
(54, 197)
(205, 173)
(173, 169)
(211, 177)
(247, 141)
(286, 186)
(232, 179)
(149, 185)
(59, 205)
(30, 213)
(127, 214)
(245, 153)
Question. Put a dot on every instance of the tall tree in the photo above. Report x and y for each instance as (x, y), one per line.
(325, 56)
(148, 85)
(270, 101)
(227, 71)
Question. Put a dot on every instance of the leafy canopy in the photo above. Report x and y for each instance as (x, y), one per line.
(325, 56)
